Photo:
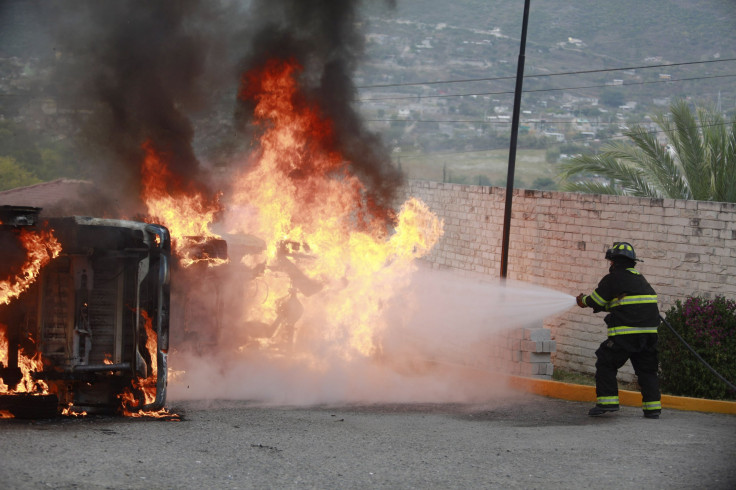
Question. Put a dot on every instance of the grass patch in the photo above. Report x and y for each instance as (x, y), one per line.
(586, 379)
(489, 166)
(573, 377)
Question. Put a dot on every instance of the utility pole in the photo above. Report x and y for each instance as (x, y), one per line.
(512, 145)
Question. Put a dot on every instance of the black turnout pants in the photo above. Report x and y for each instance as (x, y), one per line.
(615, 351)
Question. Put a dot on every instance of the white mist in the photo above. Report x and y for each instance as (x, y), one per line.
(440, 330)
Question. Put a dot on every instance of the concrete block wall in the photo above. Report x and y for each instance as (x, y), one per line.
(522, 351)
(558, 240)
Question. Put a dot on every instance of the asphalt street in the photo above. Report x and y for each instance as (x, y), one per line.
(524, 441)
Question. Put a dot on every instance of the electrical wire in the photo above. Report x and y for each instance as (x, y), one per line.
(728, 383)
(508, 92)
(555, 123)
(539, 75)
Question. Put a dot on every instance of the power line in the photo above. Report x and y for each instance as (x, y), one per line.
(539, 75)
(636, 83)
(505, 92)
(481, 121)
(549, 121)
(439, 121)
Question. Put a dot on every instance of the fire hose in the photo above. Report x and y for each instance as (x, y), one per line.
(728, 383)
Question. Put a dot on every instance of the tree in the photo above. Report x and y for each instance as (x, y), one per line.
(13, 175)
(612, 97)
(697, 161)
(35, 156)
(544, 184)
(552, 155)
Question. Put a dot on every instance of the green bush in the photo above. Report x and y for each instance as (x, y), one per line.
(709, 326)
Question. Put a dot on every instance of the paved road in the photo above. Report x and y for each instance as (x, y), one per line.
(526, 441)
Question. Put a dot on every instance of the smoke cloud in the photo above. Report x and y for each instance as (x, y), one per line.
(321, 36)
(443, 329)
(159, 71)
(138, 67)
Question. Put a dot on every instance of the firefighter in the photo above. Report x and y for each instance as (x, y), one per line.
(632, 320)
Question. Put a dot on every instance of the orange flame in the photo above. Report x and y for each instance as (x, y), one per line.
(26, 364)
(185, 213)
(3, 354)
(301, 185)
(70, 412)
(302, 192)
(146, 386)
(41, 248)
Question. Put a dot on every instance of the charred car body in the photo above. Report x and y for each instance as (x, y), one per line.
(90, 316)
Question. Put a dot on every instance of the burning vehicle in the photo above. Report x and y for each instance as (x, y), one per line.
(84, 315)
(196, 293)
(307, 198)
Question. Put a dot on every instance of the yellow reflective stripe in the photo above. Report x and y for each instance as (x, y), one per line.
(626, 330)
(607, 400)
(634, 271)
(597, 298)
(633, 300)
(637, 300)
(652, 405)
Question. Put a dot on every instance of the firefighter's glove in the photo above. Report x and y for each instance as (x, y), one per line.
(580, 301)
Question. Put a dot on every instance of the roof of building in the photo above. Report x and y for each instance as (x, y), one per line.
(66, 196)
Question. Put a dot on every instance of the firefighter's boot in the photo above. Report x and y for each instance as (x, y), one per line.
(599, 410)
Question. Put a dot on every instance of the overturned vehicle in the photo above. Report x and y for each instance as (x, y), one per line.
(84, 314)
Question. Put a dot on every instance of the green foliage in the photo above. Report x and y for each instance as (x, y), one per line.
(13, 175)
(612, 97)
(31, 157)
(573, 377)
(698, 162)
(19, 144)
(571, 148)
(709, 326)
(531, 142)
(544, 184)
(552, 154)
(482, 180)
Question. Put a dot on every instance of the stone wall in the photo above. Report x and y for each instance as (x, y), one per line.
(558, 240)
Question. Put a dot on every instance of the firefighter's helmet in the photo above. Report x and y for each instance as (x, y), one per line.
(621, 249)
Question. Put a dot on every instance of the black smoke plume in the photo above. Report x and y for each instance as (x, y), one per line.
(146, 70)
(322, 36)
(137, 66)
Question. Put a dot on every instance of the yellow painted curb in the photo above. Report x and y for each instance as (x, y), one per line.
(583, 393)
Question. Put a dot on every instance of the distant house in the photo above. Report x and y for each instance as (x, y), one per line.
(569, 98)
(559, 137)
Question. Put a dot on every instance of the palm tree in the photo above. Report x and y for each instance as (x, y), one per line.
(697, 162)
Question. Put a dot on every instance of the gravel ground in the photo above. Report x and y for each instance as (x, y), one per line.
(526, 441)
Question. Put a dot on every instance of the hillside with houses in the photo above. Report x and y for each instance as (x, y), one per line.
(590, 73)
(436, 82)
